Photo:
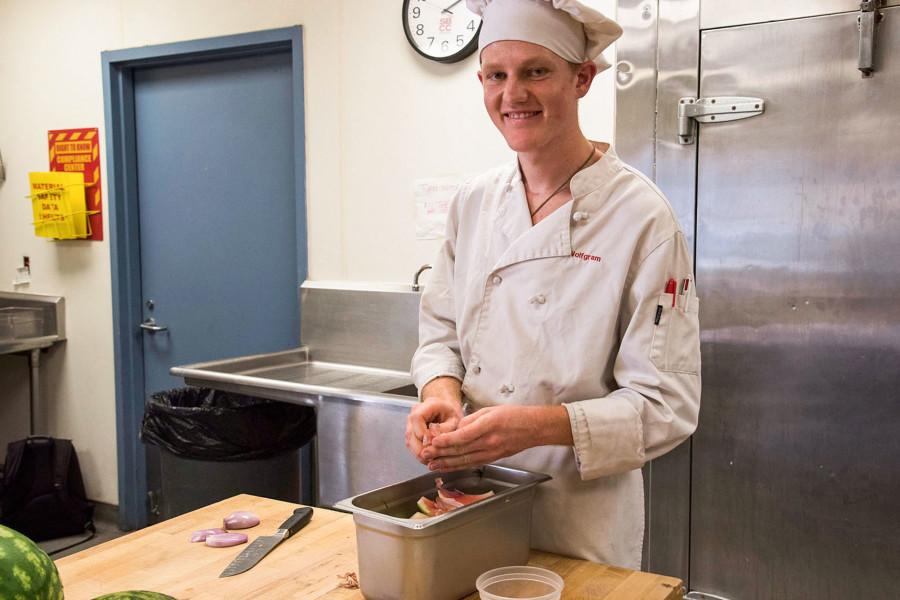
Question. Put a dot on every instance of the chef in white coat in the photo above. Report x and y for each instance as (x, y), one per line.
(562, 307)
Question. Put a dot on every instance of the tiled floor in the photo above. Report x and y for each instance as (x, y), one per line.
(106, 523)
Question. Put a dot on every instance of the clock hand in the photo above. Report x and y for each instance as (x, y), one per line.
(435, 6)
(447, 10)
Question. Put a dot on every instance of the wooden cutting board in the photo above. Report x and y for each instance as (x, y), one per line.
(307, 566)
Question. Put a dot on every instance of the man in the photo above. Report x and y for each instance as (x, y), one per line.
(562, 306)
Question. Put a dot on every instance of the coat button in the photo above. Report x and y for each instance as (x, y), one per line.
(496, 280)
(578, 216)
(507, 388)
(476, 369)
(539, 299)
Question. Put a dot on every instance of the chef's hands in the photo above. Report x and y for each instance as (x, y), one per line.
(439, 436)
(440, 411)
(496, 432)
(482, 437)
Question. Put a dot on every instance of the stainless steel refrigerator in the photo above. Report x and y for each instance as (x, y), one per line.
(774, 129)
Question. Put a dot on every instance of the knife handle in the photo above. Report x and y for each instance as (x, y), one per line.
(296, 521)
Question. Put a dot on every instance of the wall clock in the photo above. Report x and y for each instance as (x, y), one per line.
(441, 30)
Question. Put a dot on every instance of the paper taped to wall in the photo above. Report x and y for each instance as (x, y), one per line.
(433, 197)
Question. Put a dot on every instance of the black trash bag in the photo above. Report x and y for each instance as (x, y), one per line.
(205, 424)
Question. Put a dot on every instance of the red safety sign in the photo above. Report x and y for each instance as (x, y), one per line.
(78, 151)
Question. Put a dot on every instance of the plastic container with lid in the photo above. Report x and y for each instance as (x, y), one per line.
(519, 583)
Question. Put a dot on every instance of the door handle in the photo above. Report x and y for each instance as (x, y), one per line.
(151, 326)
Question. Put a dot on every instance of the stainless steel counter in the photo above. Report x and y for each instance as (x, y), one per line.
(294, 376)
(353, 369)
(360, 414)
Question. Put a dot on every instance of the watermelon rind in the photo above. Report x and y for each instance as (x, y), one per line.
(425, 506)
(26, 572)
(135, 595)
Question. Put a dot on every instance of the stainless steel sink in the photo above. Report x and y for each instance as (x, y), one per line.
(353, 367)
(30, 321)
(360, 413)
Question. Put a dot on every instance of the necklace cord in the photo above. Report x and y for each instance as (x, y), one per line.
(565, 183)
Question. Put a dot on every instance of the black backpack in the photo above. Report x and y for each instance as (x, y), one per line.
(41, 491)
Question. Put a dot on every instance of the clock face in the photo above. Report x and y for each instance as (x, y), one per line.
(442, 30)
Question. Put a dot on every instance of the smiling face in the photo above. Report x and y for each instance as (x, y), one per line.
(531, 94)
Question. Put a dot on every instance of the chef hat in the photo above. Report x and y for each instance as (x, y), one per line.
(567, 27)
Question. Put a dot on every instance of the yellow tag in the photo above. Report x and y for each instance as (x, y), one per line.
(58, 206)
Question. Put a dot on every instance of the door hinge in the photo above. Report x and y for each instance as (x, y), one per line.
(714, 110)
(869, 17)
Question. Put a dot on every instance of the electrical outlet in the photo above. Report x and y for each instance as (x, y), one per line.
(23, 273)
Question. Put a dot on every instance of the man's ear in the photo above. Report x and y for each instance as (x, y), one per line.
(584, 76)
(480, 77)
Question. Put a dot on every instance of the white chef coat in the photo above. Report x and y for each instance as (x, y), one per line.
(565, 312)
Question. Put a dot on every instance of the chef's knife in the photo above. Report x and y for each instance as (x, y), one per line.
(262, 545)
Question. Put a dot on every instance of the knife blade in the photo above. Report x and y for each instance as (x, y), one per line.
(262, 545)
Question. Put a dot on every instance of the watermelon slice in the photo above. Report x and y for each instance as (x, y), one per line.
(456, 498)
(429, 507)
(447, 499)
(447, 504)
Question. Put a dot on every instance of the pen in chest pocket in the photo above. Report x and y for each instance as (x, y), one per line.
(686, 292)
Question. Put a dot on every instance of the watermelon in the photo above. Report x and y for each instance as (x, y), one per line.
(455, 498)
(446, 505)
(447, 499)
(134, 595)
(428, 507)
(26, 572)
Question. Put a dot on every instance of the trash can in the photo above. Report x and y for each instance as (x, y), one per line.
(216, 444)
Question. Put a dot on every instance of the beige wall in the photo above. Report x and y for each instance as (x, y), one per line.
(377, 117)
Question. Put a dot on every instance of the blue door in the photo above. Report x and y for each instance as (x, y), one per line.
(218, 213)
(207, 223)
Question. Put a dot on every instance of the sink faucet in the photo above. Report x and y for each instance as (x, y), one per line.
(415, 286)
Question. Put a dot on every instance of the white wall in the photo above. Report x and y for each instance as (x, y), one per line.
(378, 116)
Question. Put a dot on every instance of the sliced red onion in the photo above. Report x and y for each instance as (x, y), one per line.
(201, 535)
(221, 540)
(241, 519)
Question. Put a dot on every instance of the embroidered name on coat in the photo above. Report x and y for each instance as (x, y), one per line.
(585, 256)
